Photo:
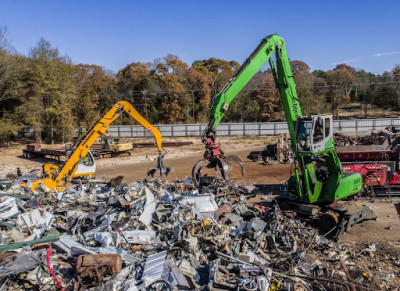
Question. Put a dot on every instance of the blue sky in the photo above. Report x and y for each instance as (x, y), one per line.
(363, 34)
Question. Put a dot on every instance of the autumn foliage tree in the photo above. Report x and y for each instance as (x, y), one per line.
(8, 130)
(340, 81)
(134, 81)
(90, 81)
(169, 75)
(200, 90)
(48, 93)
(268, 98)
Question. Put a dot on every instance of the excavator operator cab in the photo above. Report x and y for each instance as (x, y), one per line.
(312, 133)
(86, 166)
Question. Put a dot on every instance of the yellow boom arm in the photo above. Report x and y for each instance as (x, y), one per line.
(65, 174)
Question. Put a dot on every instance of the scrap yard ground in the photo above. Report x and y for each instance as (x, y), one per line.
(384, 232)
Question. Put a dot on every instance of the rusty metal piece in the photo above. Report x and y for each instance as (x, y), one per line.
(226, 208)
(223, 278)
(346, 271)
(97, 266)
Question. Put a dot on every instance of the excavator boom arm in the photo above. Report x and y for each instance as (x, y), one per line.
(82, 148)
(269, 46)
(321, 176)
(128, 108)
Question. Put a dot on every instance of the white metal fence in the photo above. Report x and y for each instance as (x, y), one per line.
(357, 126)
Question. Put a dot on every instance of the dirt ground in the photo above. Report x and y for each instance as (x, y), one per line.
(384, 232)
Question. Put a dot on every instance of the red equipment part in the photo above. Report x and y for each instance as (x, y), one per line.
(372, 174)
(395, 180)
(213, 149)
(378, 165)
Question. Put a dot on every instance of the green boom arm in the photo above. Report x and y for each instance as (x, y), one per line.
(310, 183)
(269, 46)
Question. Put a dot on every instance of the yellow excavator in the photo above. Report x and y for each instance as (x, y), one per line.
(59, 177)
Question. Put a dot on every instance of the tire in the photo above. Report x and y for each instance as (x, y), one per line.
(328, 221)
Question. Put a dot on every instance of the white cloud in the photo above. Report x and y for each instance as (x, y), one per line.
(345, 62)
(386, 54)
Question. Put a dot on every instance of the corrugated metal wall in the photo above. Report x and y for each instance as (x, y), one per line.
(357, 126)
(258, 128)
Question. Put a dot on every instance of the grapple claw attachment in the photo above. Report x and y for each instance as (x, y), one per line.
(160, 168)
(215, 158)
(238, 160)
(221, 165)
(196, 171)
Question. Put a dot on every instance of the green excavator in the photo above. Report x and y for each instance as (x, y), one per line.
(319, 183)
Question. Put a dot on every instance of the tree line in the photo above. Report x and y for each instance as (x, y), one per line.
(49, 93)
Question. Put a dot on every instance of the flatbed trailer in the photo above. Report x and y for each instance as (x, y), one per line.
(164, 144)
(34, 150)
(99, 152)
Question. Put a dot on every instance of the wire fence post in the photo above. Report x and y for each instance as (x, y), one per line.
(356, 127)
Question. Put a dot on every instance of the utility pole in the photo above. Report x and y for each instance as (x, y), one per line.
(144, 92)
(193, 107)
(356, 90)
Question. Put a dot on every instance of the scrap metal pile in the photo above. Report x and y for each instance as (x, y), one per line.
(387, 137)
(158, 235)
(279, 152)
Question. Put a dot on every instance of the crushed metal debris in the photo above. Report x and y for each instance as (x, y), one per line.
(160, 235)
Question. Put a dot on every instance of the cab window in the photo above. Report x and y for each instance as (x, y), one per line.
(318, 134)
(87, 160)
(327, 127)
